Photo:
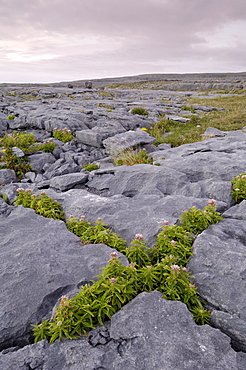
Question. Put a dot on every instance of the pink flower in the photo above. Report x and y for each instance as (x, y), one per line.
(113, 281)
(165, 222)
(20, 189)
(173, 242)
(211, 202)
(175, 268)
(113, 255)
(99, 219)
(184, 269)
(139, 236)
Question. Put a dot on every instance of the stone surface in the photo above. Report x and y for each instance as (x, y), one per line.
(7, 176)
(66, 182)
(40, 261)
(148, 333)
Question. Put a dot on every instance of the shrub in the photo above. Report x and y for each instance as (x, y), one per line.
(139, 110)
(11, 117)
(196, 220)
(12, 162)
(18, 139)
(239, 187)
(131, 157)
(42, 204)
(91, 167)
(63, 135)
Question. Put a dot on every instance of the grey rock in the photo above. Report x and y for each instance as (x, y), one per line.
(178, 118)
(130, 139)
(127, 217)
(212, 132)
(90, 137)
(7, 176)
(18, 152)
(39, 160)
(68, 181)
(219, 269)
(148, 333)
(61, 167)
(40, 261)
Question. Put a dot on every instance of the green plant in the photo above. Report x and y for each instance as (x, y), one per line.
(239, 187)
(188, 108)
(131, 157)
(137, 252)
(91, 167)
(47, 147)
(99, 233)
(11, 117)
(139, 110)
(42, 204)
(18, 139)
(173, 240)
(63, 135)
(12, 162)
(195, 220)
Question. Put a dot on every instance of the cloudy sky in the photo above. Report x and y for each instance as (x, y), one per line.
(66, 40)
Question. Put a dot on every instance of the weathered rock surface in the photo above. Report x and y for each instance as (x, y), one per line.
(148, 333)
(41, 260)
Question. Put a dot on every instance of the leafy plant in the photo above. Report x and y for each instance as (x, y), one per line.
(131, 157)
(47, 147)
(91, 167)
(239, 187)
(188, 108)
(42, 204)
(139, 110)
(137, 252)
(63, 135)
(12, 162)
(173, 240)
(11, 117)
(195, 220)
(18, 139)
(99, 233)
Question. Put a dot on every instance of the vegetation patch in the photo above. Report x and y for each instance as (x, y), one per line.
(130, 157)
(232, 118)
(139, 110)
(159, 268)
(239, 187)
(91, 167)
(63, 135)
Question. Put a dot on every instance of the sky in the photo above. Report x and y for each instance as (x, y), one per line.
(57, 40)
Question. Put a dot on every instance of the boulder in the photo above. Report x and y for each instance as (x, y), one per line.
(68, 181)
(220, 275)
(130, 139)
(7, 176)
(40, 261)
(148, 333)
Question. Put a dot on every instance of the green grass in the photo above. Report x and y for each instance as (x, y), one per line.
(233, 118)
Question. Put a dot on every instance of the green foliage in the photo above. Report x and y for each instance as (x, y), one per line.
(173, 240)
(139, 110)
(131, 157)
(196, 220)
(19, 139)
(239, 187)
(91, 167)
(12, 162)
(188, 108)
(11, 117)
(160, 268)
(99, 233)
(63, 135)
(47, 147)
(137, 252)
(42, 204)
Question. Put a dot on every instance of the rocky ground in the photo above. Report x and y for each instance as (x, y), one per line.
(41, 260)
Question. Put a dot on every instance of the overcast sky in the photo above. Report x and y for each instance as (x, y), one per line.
(66, 40)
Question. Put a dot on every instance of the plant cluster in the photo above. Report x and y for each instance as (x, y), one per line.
(18, 139)
(12, 162)
(233, 117)
(239, 187)
(91, 167)
(63, 135)
(196, 220)
(41, 204)
(188, 108)
(139, 110)
(11, 117)
(93, 234)
(131, 157)
(158, 268)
